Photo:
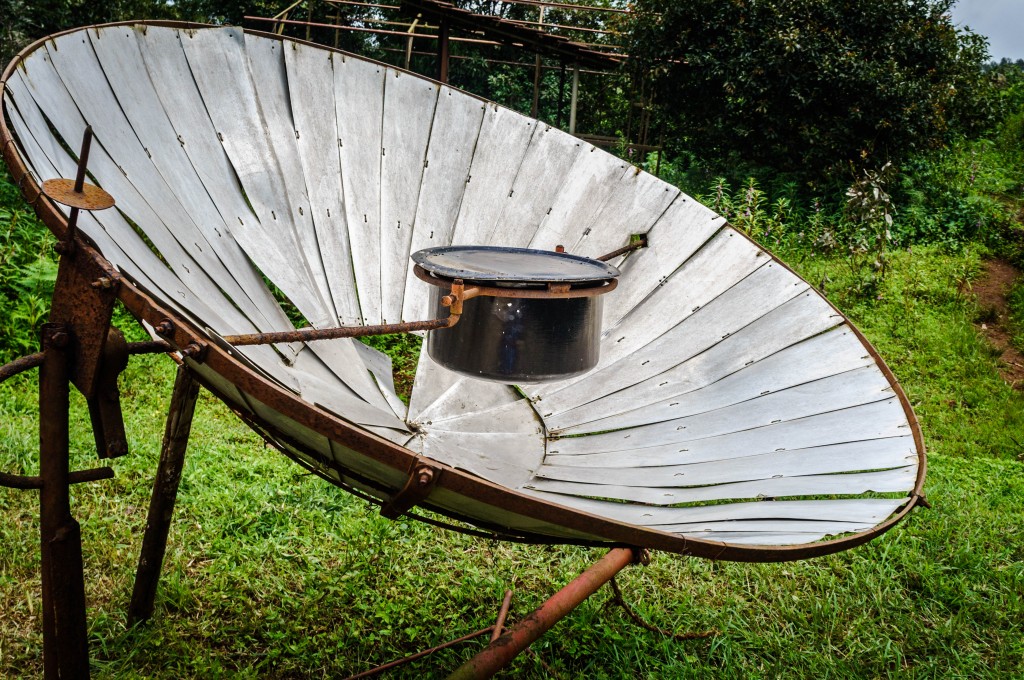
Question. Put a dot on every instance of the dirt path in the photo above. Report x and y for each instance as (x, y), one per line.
(991, 290)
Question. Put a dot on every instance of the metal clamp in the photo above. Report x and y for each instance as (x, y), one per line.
(421, 482)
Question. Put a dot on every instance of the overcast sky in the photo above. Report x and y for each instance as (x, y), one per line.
(1001, 21)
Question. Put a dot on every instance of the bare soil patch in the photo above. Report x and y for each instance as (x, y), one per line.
(991, 290)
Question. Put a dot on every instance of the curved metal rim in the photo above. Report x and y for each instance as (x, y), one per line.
(590, 290)
(602, 270)
(399, 458)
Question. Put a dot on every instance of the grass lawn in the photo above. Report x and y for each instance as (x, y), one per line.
(273, 573)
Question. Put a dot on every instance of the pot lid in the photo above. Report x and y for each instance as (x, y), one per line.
(512, 265)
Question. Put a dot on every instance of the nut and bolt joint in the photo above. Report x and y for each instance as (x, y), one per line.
(55, 335)
(104, 282)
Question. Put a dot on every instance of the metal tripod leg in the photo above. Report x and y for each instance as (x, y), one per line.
(520, 636)
(165, 493)
(65, 642)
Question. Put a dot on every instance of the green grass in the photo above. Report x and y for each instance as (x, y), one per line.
(273, 573)
(1015, 302)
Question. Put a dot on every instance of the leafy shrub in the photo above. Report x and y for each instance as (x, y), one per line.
(28, 270)
(811, 86)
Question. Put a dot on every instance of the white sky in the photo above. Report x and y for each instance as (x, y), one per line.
(1001, 21)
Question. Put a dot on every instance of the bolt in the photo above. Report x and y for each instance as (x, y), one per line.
(194, 351)
(642, 556)
(59, 339)
(426, 475)
(164, 328)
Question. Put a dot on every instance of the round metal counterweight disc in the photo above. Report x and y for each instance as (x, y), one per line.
(91, 197)
(520, 265)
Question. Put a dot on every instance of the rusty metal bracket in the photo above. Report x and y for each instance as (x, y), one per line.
(639, 243)
(196, 351)
(421, 482)
(35, 482)
(105, 403)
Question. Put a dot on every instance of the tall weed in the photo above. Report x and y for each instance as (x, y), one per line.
(28, 271)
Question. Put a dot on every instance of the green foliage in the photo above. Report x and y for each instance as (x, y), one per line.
(404, 350)
(274, 573)
(28, 270)
(1015, 302)
(811, 86)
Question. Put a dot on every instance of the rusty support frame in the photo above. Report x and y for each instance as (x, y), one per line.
(636, 245)
(65, 641)
(310, 334)
(500, 652)
(165, 493)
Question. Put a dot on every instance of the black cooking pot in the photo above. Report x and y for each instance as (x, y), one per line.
(530, 316)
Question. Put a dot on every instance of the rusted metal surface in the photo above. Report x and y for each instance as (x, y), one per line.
(149, 347)
(310, 334)
(65, 644)
(90, 197)
(442, 51)
(641, 243)
(501, 651)
(20, 365)
(569, 6)
(373, 31)
(87, 310)
(27, 482)
(502, 31)
(105, 404)
(165, 493)
(499, 624)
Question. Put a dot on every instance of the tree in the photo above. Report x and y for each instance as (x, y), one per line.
(810, 86)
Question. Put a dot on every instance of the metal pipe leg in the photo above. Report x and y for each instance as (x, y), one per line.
(500, 652)
(65, 641)
(165, 493)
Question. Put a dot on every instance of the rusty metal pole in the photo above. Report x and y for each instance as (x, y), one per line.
(561, 92)
(83, 160)
(573, 98)
(500, 652)
(535, 108)
(165, 492)
(65, 641)
(442, 52)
